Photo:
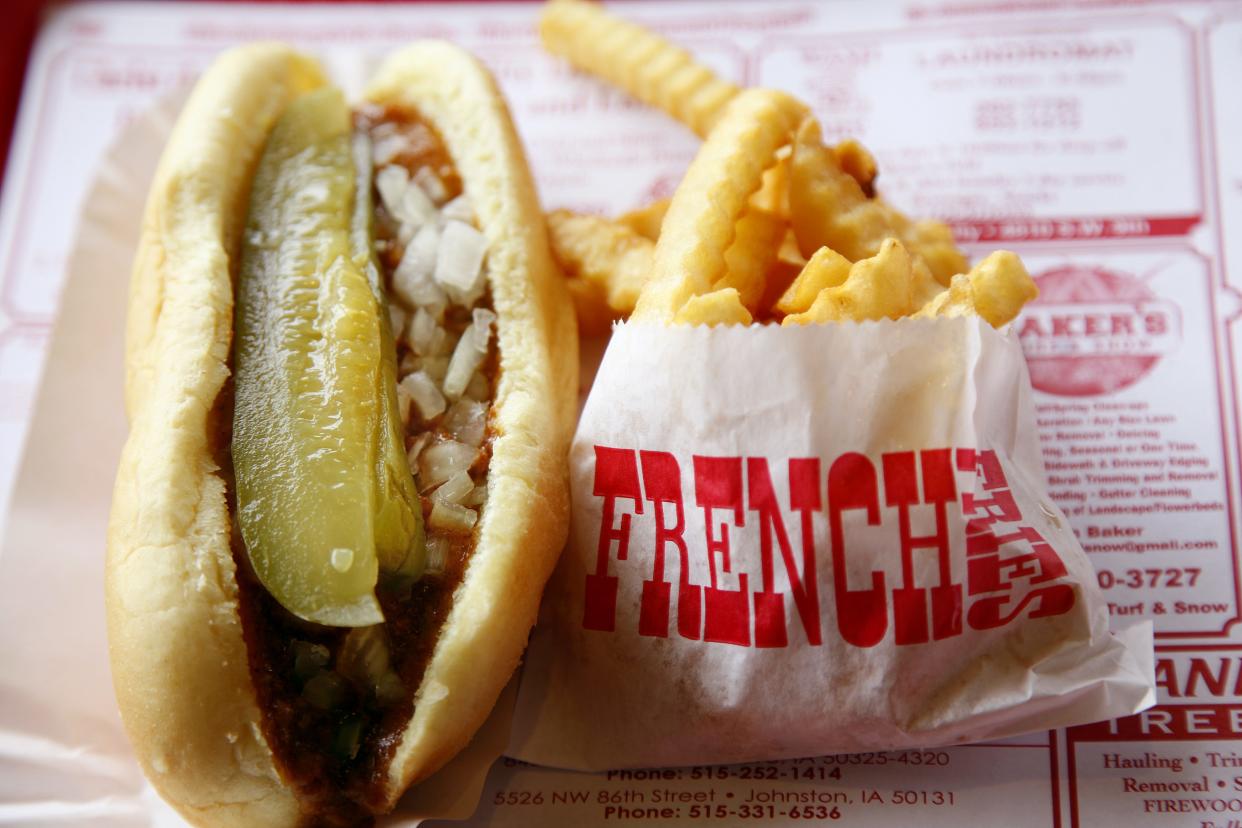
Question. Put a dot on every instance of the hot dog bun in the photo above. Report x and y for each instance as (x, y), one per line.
(178, 650)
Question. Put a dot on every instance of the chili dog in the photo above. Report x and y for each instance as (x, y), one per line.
(335, 513)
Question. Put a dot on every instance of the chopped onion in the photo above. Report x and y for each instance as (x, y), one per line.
(389, 142)
(469, 354)
(396, 318)
(409, 363)
(388, 148)
(439, 462)
(467, 421)
(421, 332)
(443, 343)
(309, 658)
(364, 659)
(459, 262)
(459, 209)
(455, 489)
(348, 738)
(483, 319)
(451, 517)
(479, 388)
(391, 182)
(437, 555)
(435, 366)
(431, 184)
(413, 280)
(325, 690)
(364, 654)
(416, 449)
(476, 498)
(404, 398)
(389, 689)
(426, 396)
(403, 199)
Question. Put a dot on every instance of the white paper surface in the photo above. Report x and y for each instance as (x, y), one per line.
(841, 542)
(1095, 137)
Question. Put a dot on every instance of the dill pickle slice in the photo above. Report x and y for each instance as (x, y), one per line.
(309, 348)
(400, 541)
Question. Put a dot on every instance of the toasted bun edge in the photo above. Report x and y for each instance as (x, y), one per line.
(526, 520)
(179, 664)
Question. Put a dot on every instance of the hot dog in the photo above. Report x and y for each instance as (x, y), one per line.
(351, 384)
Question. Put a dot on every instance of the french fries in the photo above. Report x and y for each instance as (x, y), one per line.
(646, 221)
(605, 253)
(595, 318)
(826, 269)
(636, 60)
(876, 288)
(752, 254)
(830, 209)
(995, 289)
(701, 221)
(768, 224)
(720, 307)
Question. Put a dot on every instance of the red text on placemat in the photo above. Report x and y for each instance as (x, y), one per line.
(1010, 568)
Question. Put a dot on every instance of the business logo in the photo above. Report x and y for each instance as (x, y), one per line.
(1094, 331)
(992, 566)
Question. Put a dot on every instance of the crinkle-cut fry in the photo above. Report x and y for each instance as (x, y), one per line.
(784, 270)
(995, 289)
(641, 62)
(933, 242)
(826, 269)
(789, 252)
(923, 286)
(773, 195)
(720, 307)
(604, 253)
(780, 276)
(876, 288)
(956, 300)
(646, 221)
(1001, 286)
(830, 209)
(702, 218)
(752, 254)
(858, 162)
(594, 316)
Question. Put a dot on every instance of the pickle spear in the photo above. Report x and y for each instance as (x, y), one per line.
(312, 424)
(399, 538)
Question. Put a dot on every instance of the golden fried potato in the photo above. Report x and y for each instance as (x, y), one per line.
(876, 288)
(751, 256)
(605, 253)
(762, 197)
(773, 195)
(701, 222)
(646, 221)
(857, 162)
(720, 307)
(923, 286)
(956, 300)
(826, 269)
(829, 208)
(995, 289)
(595, 318)
(641, 62)
(1002, 286)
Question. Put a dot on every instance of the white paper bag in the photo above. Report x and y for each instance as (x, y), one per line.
(793, 542)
